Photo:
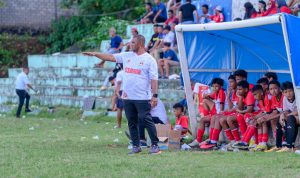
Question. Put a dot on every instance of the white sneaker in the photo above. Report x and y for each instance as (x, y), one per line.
(194, 143)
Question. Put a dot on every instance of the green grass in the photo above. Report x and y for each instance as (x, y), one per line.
(60, 147)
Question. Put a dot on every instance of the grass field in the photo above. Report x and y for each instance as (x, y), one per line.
(64, 147)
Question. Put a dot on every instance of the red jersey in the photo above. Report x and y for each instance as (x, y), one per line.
(234, 99)
(184, 122)
(249, 100)
(251, 86)
(285, 9)
(277, 104)
(219, 98)
(171, 20)
(218, 18)
(263, 105)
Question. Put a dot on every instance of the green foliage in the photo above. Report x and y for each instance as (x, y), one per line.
(67, 31)
(101, 31)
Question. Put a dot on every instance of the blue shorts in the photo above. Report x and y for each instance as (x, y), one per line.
(119, 102)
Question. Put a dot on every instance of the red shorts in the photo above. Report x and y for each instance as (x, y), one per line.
(229, 113)
(249, 116)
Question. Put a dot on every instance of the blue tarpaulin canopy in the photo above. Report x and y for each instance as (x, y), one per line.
(256, 45)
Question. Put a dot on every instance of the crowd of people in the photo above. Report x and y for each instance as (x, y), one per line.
(244, 112)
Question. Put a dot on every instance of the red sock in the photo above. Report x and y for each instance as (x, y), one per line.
(265, 137)
(229, 134)
(260, 138)
(256, 136)
(242, 124)
(211, 132)
(215, 136)
(248, 135)
(236, 134)
(200, 135)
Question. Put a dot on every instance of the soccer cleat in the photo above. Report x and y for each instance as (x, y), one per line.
(260, 148)
(229, 146)
(154, 150)
(240, 145)
(284, 149)
(204, 142)
(208, 145)
(194, 143)
(135, 150)
(273, 149)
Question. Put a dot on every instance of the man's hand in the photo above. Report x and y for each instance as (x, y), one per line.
(89, 53)
(153, 102)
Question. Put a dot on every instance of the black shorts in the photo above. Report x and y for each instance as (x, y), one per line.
(119, 102)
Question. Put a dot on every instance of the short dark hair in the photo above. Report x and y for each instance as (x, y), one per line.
(231, 77)
(241, 73)
(217, 81)
(167, 27)
(111, 78)
(271, 75)
(168, 44)
(287, 85)
(237, 19)
(171, 11)
(243, 84)
(274, 82)
(257, 88)
(149, 4)
(178, 105)
(263, 80)
(160, 26)
(156, 25)
(205, 6)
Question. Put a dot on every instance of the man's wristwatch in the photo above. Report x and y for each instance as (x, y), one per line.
(155, 95)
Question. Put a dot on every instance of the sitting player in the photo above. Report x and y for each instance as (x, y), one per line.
(212, 104)
(182, 121)
(273, 117)
(261, 108)
(264, 83)
(242, 75)
(245, 105)
(232, 100)
(289, 120)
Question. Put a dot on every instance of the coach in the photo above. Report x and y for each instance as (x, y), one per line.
(140, 76)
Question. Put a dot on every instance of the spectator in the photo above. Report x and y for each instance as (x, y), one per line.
(169, 35)
(218, 17)
(272, 8)
(172, 18)
(175, 46)
(205, 17)
(262, 8)
(116, 45)
(282, 7)
(174, 5)
(153, 39)
(271, 76)
(144, 20)
(169, 59)
(250, 12)
(159, 12)
(187, 12)
(156, 49)
(134, 33)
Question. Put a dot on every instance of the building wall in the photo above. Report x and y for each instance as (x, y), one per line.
(31, 13)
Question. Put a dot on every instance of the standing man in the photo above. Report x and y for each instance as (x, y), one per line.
(139, 81)
(22, 85)
(187, 12)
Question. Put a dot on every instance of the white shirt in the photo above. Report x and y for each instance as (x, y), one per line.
(119, 78)
(22, 81)
(139, 70)
(160, 111)
(288, 106)
(170, 38)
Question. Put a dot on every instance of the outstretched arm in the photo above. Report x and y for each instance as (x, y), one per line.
(102, 56)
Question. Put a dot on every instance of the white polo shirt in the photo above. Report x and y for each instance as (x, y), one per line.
(119, 78)
(22, 81)
(160, 111)
(139, 70)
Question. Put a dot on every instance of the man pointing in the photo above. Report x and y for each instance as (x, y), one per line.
(140, 80)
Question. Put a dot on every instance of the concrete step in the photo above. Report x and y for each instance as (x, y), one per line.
(79, 82)
(101, 103)
(62, 72)
(64, 60)
(164, 94)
